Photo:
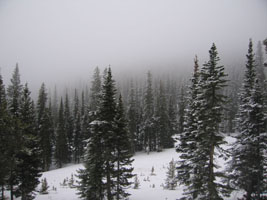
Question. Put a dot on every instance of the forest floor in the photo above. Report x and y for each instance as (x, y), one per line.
(151, 185)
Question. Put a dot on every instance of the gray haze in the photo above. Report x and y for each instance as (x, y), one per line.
(62, 41)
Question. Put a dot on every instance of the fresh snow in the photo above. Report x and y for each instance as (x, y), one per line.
(151, 186)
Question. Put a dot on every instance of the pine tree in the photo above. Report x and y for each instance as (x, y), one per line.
(29, 155)
(123, 156)
(68, 123)
(45, 128)
(91, 184)
(95, 90)
(171, 181)
(249, 150)
(209, 136)
(164, 138)
(132, 118)
(4, 132)
(147, 126)
(188, 169)
(181, 111)
(107, 113)
(44, 186)
(108, 149)
(77, 131)
(61, 149)
(14, 92)
(259, 62)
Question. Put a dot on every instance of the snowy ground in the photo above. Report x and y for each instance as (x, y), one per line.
(151, 186)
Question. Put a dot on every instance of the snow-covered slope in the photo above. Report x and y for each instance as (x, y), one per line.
(151, 186)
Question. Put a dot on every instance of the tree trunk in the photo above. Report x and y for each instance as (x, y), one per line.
(11, 192)
(211, 172)
(109, 196)
(118, 180)
(3, 192)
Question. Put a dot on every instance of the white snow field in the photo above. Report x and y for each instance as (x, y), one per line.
(151, 186)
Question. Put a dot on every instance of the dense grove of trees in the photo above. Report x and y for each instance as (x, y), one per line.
(103, 127)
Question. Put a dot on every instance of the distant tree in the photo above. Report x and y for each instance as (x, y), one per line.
(148, 125)
(132, 118)
(61, 149)
(136, 182)
(45, 128)
(171, 180)
(29, 162)
(259, 62)
(77, 131)
(68, 126)
(95, 90)
(181, 110)
(44, 186)
(164, 137)
(247, 171)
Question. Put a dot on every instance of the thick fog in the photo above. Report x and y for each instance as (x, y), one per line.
(62, 41)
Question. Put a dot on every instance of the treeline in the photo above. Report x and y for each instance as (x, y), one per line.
(200, 145)
(108, 126)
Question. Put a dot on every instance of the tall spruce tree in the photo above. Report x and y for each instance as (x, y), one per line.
(248, 164)
(209, 136)
(188, 168)
(61, 149)
(29, 155)
(107, 113)
(102, 178)
(4, 133)
(164, 138)
(77, 130)
(91, 179)
(123, 155)
(68, 123)
(147, 125)
(14, 92)
(132, 118)
(45, 128)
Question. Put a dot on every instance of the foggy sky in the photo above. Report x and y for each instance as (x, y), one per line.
(62, 41)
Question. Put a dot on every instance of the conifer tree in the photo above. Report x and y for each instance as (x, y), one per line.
(123, 155)
(77, 131)
(45, 128)
(171, 180)
(132, 118)
(107, 113)
(210, 116)
(91, 184)
(181, 111)
(248, 165)
(187, 166)
(29, 155)
(14, 92)
(4, 132)
(95, 90)
(164, 138)
(68, 123)
(259, 63)
(147, 125)
(61, 150)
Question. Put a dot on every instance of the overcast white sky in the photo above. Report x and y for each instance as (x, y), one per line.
(57, 41)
